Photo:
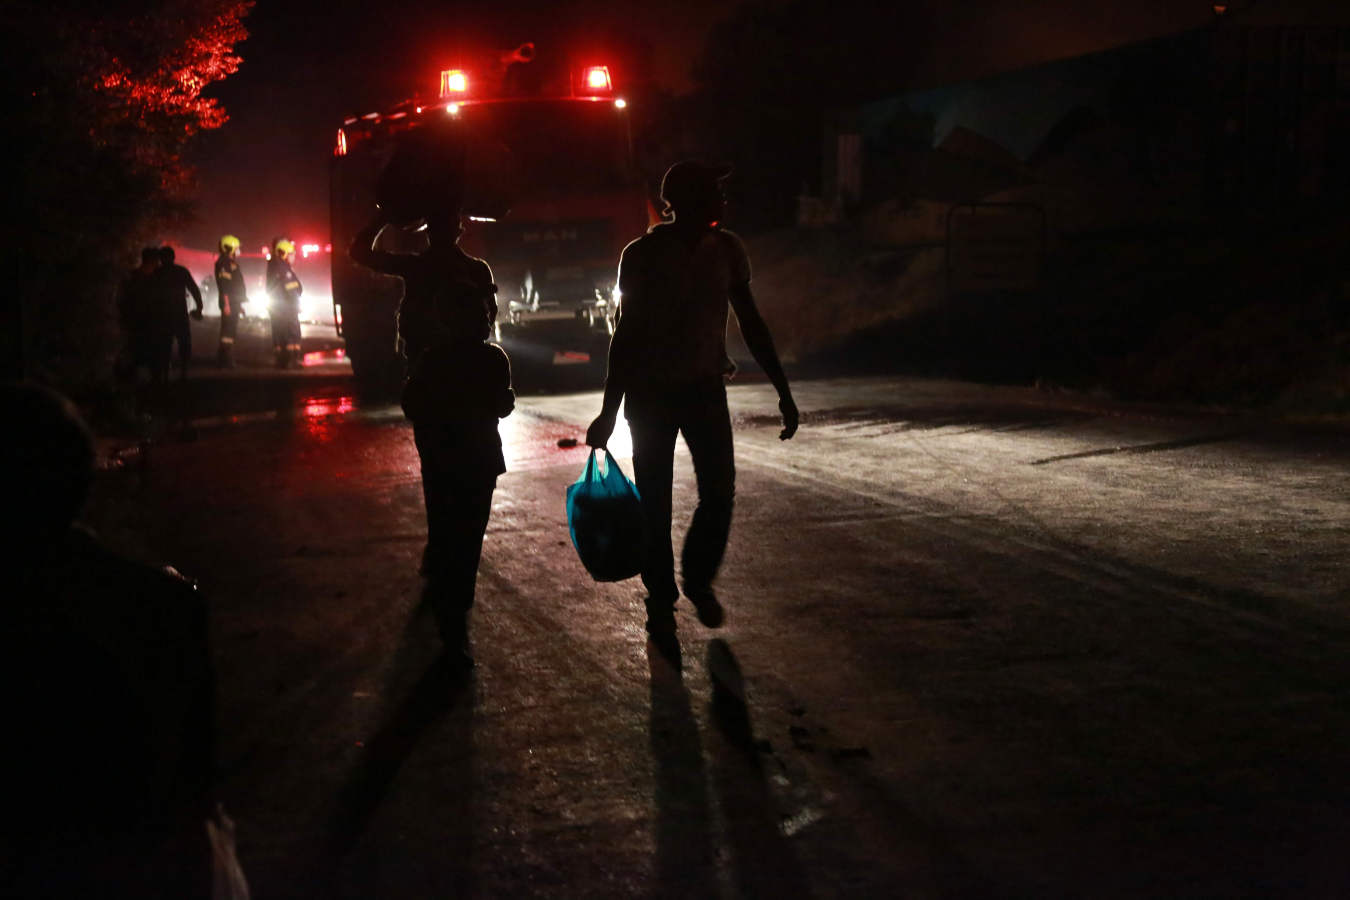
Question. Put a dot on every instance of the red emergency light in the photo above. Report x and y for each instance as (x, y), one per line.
(341, 148)
(307, 249)
(596, 79)
(454, 83)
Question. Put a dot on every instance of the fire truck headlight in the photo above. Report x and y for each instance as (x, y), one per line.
(315, 307)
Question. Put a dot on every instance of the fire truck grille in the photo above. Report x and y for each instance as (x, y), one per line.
(560, 244)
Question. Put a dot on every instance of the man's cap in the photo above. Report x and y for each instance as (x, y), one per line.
(690, 176)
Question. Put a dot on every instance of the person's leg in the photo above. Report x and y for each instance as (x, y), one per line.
(450, 588)
(466, 525)
(277, 314)
(653, 434)
(457, 517)
(160, 355)
(184, 335)
(437, 493)
(706, 424)
(293, 333)
(229, 327)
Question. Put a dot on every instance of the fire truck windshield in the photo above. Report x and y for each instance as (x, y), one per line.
(548, 144)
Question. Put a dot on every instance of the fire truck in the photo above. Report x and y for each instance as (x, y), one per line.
(553, 196)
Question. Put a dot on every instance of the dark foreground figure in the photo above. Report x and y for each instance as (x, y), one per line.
(146, 336)
(107, 689)
(668, 362)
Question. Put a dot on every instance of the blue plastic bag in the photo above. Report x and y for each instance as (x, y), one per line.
(604, 514)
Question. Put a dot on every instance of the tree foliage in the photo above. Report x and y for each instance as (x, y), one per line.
(109, 96)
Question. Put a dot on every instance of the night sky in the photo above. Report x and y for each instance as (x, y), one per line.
(308, 64)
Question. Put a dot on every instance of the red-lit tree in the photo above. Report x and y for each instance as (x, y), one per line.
(109, 97)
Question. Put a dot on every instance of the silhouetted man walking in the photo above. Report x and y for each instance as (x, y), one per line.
(668, 359)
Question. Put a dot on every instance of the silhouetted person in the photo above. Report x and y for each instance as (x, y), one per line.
(107, 688)
(283, 292)
(668, 363)
(138, 312)
(231, 295)
(458, 386)
(174, 281)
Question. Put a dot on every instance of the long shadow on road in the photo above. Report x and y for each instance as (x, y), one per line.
(684, 856)
(760, 860)
(357, 859)
(763, 860)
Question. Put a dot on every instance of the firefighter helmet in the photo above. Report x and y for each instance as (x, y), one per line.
(285, 248)
(229, 244)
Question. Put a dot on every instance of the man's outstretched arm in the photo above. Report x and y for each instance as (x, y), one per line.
(760, 342)
(194, 291)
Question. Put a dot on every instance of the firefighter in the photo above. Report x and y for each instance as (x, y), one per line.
(283, 291)
(173, 281)
(232, 295)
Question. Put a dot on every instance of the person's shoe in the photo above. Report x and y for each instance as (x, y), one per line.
(666, 645)
(660, 616)
(709, 610)
(661, 635)
(454, 631)
(455, 660)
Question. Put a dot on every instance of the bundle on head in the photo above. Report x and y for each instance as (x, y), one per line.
(423, 178)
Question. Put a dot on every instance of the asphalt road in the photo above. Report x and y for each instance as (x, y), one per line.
(990, 643)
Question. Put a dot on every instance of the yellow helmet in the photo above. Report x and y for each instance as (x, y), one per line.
(285, 248)
(229, 244)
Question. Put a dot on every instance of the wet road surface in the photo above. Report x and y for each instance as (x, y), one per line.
(979, 642)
